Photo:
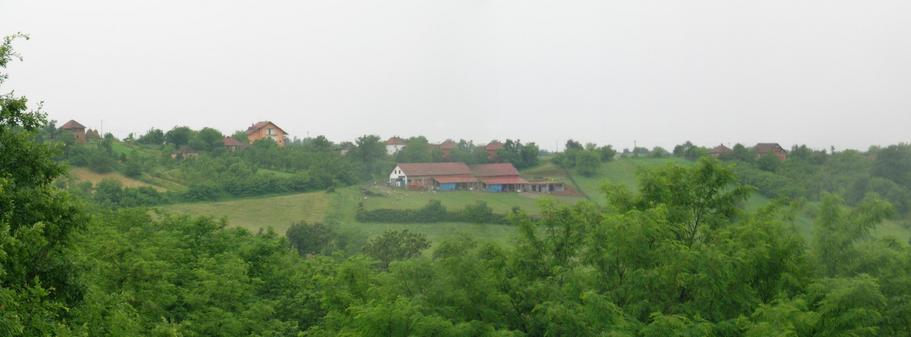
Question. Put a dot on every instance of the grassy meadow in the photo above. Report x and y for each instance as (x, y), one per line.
(278, 212)
(84, 174)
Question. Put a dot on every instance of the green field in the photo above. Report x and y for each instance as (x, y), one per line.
(277, 212)
(84, 174)
(620, 171)
(453, 200)
(344, 206)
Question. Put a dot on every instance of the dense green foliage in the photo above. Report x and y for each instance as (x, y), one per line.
(810, 174)
(585, 159)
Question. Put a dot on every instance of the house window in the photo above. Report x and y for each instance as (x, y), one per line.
(269, 130)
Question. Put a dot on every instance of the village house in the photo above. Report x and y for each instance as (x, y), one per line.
(76, 129)
(446, 147)
(720, 150)
(184, 152)
(430, 176)
(499, 177)
(232, 144)
(457, 176)
(266, 129)
(492, 149)
(763, 149)
(394, 145)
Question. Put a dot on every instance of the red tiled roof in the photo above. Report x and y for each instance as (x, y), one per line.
(494, 170)
(395, 140)
(455, 179)
(230, 141)
(72, 125)
(721, 149)
(435, 169)
(514, 180)
(448, 144)
(763, 148)
(495, 145)
(259, 125)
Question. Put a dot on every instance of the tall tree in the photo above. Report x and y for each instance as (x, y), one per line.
(36, 222)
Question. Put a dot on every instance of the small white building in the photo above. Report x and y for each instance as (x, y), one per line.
(394, 145)
(397, 177)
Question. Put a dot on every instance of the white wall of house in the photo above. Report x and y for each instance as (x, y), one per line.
(393, 149)
(397, 174)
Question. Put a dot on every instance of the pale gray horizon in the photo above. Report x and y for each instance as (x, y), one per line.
(657, 72)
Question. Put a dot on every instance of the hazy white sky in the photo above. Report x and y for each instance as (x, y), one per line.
(821, 72)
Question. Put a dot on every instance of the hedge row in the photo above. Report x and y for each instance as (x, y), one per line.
(433, 212)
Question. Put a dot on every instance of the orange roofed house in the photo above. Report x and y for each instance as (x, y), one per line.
(427, 176)
(76, 129)
(763, 149)
(458, 176)
(266, 129)
(492, 149)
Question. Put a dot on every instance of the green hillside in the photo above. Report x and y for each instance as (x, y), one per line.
(499, 202)
(277, 212)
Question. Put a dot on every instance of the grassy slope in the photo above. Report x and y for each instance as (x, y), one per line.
(499, 202)
(344, 205)
(85, 174)
(277, 212)
(619, 171)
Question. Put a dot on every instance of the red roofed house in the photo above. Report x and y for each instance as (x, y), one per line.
(492, 149)
(447, 146)
(232, 144)
(394, 145)
(429, 176)
(266, 129)
(458, 176)
(76, 129)
(720, 150)
(763, 149)
(499, 177)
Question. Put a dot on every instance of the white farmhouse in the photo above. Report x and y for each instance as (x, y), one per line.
(394, 145)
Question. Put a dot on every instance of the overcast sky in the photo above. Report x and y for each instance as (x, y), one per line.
(826, 72)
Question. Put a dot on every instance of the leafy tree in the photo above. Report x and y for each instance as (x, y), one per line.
(573, 145)
(742, 153)
(607, 153)
(894, 163)
(241, 136)
(659, 152)
(640, 152)
(370, 152)
(311, 238)
(706, 194)
(588, 163)
(179, 136)
(417, 150)
(207, 139)
(837, 228)
(152, 137)
(37, 222)
(395, 246)
(768, 163)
